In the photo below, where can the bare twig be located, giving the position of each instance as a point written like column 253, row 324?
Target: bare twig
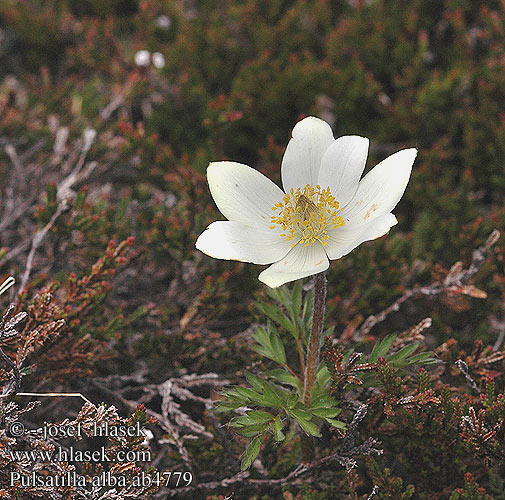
column 499, row 340
column 36, row 241
column 63, row 192
column 168, row 406
column 13, row 209
column 15, row 252
column 454, row 282
column 117, row 101
column 172, row 419
column 64, row 187
column 463, row 368
column 374, row 492
column 16, row 213
column 498, row 326
column 352, row 429
column 13, row 156
column 59, row 145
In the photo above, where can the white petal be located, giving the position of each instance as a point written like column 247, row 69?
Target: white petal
column 300, row 262
column 381, row 189
column 342, row 165
column 345, row 239
column 304, row 152
column 243, row 194
column 236, row 241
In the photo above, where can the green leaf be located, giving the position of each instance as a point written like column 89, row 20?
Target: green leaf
column 277, row 315
column 266, row 353
column 323, row 375
column 242, row 421
column 257, row 416
column 320, row 389
column 404, row 352
column 278, row 348
column 323, row 412
column 252, row 430
column 329, row 331
column 292, row 400
column 297, row 298
column 280, row 295
column 309, row 428
column 250, row 453
column 301, row 414
column 276, row 428
column 269, row 344
column 253, row 417
column 226, row 406
column 335, row 423
column 381, row 348
column 323, row 399
column 249, row 394
column 281, row 375
column 424, row 358
column 261, row 336
column 271, row 395
column 231, row 394
column 256, row 382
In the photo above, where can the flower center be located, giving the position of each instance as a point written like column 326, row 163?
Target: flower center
column 306, row 214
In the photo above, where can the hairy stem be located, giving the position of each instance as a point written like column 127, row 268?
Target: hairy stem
column 315, row 336
column 313, row 355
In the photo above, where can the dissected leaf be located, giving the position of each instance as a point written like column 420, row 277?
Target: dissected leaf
column 276, row 428
column 404, row 352
column 253, row 430
column 309, row 428
column 335, row 423
column 255, row 381
column 278, row 316
column 250, row 453
column 325, row 412
column 269, row 344
column 381, row 348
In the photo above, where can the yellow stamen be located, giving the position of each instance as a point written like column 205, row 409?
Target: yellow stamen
column 305, row 214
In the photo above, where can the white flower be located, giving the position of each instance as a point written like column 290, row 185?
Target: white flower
column 164, row 21
column 158, row 60
column 324, row 212
column 142, row 58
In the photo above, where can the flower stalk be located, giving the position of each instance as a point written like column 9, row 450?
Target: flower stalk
column 313, row 351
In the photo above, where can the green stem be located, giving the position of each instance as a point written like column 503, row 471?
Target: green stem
column 313, row 355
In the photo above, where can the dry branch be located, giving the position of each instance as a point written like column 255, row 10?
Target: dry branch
column 454, row 282
column 63, row 193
